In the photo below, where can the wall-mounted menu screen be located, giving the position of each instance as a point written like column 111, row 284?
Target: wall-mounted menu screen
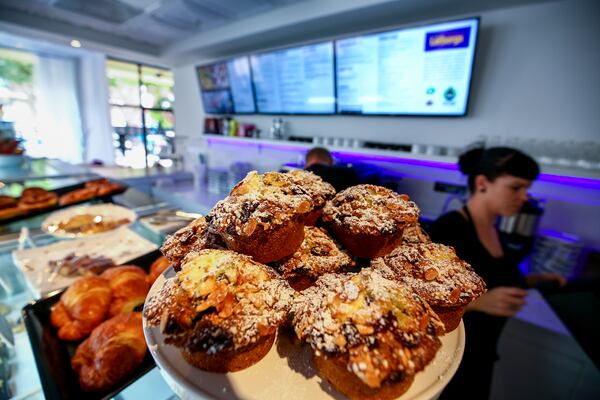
column 416, row 71
column 227, row 87
column 297, row 80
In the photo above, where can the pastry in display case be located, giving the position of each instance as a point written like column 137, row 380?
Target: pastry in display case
column 87, row 220
column 82, row 307
column 88, row 340
column 112, row 352
column 37, row 200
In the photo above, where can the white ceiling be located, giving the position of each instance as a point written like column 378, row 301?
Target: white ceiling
column 181, row 31
column 153, row 24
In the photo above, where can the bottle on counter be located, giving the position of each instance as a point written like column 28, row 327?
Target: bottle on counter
column 233, row 127
column 225, row 126
column 277, row 129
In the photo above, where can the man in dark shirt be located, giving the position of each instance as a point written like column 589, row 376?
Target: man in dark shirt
column 320, row 162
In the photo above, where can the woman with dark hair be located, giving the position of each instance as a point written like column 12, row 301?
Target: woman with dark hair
column 498, row 180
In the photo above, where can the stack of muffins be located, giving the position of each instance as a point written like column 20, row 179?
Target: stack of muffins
column 365, row 287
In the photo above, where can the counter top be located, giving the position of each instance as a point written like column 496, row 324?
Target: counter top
column 578, row 307
column 125, row 174
column 188, row 197
column 549, row 172
column 41, row 168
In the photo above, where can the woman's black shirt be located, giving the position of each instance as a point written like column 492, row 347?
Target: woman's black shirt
column 482, row 330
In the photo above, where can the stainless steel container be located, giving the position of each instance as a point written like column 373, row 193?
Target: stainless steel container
column 524, row 223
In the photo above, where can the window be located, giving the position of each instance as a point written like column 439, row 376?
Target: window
column 17, row 95
column 141, row 108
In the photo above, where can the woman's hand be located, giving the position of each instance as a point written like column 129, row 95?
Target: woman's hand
column 500, row 301
column 535, row 279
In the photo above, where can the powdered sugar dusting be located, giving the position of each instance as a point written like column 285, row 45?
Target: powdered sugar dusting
column 233, row 300
column 317, row 255
column 265, row 200
column 413, row 234
column 193, row 237
column 434, row 271
column 371, row 209
column 379, row 326
column 319, row 190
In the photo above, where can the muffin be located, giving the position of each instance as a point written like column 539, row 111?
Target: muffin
column 370, row 335
column 193, row 237
column 436, row 273
column 318, row 254
column 222, row 310
column 369, row 220
column 262, row 217
column 319, row 191
column 414, row 234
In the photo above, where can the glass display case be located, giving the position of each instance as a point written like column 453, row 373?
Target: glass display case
column 18, row 364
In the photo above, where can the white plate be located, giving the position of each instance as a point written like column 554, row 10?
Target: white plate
column 286, row 372
column 108, row 211
column 120, row 245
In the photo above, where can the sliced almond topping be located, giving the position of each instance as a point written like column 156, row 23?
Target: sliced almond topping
column 264, row 330
column 304, row 207
column 240, row 189
column 340, row 340
column 431, row 274
column 164, row 318
column 250, row 227
column 203, row 306
column 455, row 295
column 365, row 329
column 424, row 322
column 227, row 306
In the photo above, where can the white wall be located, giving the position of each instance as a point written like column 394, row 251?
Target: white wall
column 536, row 75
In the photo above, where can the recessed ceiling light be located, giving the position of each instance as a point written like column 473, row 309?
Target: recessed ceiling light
column 75, row 43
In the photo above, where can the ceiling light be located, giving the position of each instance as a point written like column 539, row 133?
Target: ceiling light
column 75, row 43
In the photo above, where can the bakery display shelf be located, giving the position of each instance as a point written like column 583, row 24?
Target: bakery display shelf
column 53, row 355
column 60, row 191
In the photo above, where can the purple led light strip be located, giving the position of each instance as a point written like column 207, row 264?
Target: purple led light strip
column 395, row 159
column 571, row 180
column 349, row 156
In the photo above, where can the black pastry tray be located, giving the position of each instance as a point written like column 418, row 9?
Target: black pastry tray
column 53, row 355
column 60, row 192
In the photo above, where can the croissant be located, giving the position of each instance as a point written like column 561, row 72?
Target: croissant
column 129, row 286
column 157, row 268
column 113, row 350
column 78, row 195
column 82, row 307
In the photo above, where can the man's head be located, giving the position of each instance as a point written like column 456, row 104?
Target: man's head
column 318, row 155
